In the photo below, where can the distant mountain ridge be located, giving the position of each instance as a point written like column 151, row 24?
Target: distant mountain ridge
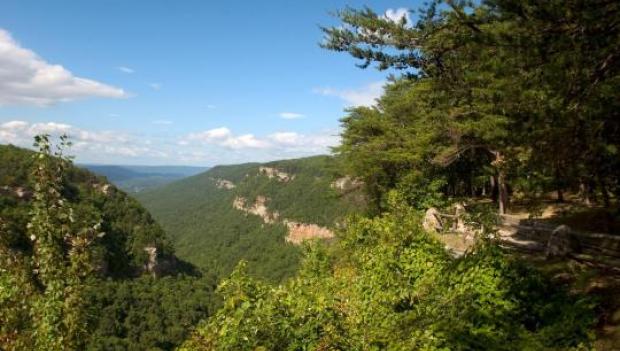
column 134, row 179
column 257, row 212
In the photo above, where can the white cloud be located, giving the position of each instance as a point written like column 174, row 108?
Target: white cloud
column 279, row 143
column 286, row 138
column 364, row 96
column 125, row 69
column 97, row 144
column 162, row 122
column 25, row 78
column 295, row 142
column 224, row 137
column 155, row 86
column 291, row 115
column 209, row 147
column 397, row 15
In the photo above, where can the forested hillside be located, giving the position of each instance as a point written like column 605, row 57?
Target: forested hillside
column 209, row 230
column 81, row 237
column 129, row 228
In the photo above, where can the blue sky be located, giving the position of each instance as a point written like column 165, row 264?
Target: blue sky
column 179, row 82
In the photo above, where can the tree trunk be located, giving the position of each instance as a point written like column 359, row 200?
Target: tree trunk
column 560, row 195
column 604, row 192
column 502, row 188
column 502, row 192
column 583, row 193
column 493, row 181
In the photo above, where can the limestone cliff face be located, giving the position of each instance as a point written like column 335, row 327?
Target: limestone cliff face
column 224, row 184
column 300, row 232
column 258, row 208
column 272, row 173
column 297, row 232
column 346, row 184
column 157, row 265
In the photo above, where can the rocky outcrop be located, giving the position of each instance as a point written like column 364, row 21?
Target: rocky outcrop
column 297, row 232
column 258, row 208
column 224, row 184
column 561, row 243
column 156, row 265
column 346, row 184
column 18, row 192
column 300, row 232
column 432, row 220
column 105, row 189
column 272, row 173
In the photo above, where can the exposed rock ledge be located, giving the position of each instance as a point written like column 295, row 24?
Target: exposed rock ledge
column 297, row 232
column 300, row 232
column 346, row 184
column 224, row 184
column 275, row 173
column 258, row 208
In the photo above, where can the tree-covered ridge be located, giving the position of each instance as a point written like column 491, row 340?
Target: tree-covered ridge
column 133, row 179
column 198, row 213
column 128, row 228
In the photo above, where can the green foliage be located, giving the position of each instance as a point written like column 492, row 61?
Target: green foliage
column 43, row 294
column 209, row 232
column 386, row 285
column 147, row 313
column 128, row 227
column 56, row 291
column 521, row 91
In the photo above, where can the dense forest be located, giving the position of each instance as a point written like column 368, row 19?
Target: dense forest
column 198, row 213
column 74, row 272
column 495, row 104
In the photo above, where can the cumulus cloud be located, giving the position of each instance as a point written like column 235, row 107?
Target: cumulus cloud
column 224, row 137
column 213, row 146
column 25, row 78
column 97, row 143
column 155, row 86
column 364, row 96
column 295, row 142
column 277, row 143
column 125, row 69
column 398, row 15
column 291, row 115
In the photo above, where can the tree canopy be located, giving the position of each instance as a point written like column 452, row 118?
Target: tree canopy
column 521, row 91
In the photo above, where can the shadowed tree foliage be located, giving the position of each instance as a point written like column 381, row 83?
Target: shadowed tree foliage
column 511, row 95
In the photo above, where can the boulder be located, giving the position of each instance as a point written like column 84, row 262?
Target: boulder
column 432, row 221
column 561, row 243
column 459, row 222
